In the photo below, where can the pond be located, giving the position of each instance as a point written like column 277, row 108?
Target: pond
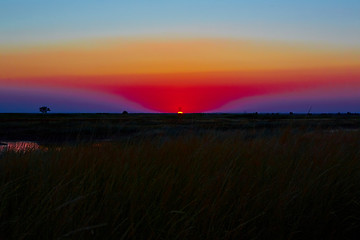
column 23, row 146
column 19, row 146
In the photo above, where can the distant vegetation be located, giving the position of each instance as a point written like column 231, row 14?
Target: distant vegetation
column 215, row 185
column 75, row 127
column 44, row 109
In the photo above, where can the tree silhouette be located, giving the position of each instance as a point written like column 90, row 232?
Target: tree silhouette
column 44, row 109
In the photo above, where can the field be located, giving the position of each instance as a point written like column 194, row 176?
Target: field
column 59, row 128
column 201, row 176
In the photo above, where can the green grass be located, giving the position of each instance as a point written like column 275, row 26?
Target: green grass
column 217, row 185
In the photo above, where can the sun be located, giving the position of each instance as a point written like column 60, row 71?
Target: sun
column 180, row 111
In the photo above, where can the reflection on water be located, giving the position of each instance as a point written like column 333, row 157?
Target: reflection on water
column 20, row 146
column 23, row 146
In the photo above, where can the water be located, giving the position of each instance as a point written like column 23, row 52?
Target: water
column 19, row 146
column 23, row 146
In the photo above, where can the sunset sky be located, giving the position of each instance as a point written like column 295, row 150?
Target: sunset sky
column 202, row 56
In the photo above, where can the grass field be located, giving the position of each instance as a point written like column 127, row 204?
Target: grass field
column 202, row 177
column 47, row 128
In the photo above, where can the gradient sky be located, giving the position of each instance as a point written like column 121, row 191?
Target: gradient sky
column 203, row 56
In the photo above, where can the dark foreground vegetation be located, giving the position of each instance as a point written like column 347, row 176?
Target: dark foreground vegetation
column 294, row 181
column 58, row 128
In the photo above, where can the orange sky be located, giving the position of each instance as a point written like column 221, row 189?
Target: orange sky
column 157, row 56
column 162, row 55
column 164, row 74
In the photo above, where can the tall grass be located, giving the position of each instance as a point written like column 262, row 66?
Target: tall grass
column 210, row 186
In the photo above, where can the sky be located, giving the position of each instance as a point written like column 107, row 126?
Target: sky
column 202, row 56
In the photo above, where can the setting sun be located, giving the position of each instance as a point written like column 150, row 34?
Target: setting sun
column 180, row 111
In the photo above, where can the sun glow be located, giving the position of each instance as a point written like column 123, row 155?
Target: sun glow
column 180, row 111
